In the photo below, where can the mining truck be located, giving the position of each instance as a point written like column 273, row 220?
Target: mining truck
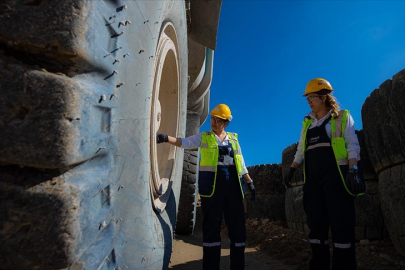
column 85, row 85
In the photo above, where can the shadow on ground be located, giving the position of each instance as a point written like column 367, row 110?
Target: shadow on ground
column 187, row 255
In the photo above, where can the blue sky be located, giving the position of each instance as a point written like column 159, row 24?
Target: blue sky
column 267, row 51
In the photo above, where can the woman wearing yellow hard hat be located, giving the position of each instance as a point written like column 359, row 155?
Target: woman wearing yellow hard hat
column 222, row 174
column 330, row 151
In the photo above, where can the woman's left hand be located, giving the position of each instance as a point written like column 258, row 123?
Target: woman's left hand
column 354, row 183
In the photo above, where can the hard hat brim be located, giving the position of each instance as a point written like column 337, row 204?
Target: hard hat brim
column 327, row 91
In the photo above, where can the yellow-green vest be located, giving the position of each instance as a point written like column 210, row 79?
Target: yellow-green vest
column 338, row 143
column 209, row 161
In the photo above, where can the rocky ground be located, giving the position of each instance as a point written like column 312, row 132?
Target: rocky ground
column 292, row 248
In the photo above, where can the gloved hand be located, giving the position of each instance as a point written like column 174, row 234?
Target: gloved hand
column 288, row 176
column 354, row 183
column 161, row 138
column 252, row 190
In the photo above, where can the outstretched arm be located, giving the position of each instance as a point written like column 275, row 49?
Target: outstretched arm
column 190, row 142
column 175, row 141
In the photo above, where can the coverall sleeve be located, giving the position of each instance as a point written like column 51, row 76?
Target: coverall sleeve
column 351, row 140
column 191, row 142
column 299, row 155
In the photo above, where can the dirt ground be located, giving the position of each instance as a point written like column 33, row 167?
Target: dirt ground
column 292, row 248
column 271, row 245
column 187, row 254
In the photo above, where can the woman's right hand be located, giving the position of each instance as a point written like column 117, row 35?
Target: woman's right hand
column 161, row 138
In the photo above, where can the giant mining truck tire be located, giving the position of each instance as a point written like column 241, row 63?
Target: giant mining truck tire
column 85, row 86
column 189, row 193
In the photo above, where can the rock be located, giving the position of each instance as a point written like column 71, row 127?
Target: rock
column 387, row 259
column 364, row 242
column 384, row 263
column 384, row 256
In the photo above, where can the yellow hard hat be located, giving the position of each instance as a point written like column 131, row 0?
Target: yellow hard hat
column 222, row 111
column 316, row 85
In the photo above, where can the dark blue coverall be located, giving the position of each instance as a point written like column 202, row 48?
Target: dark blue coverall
column 227, row 199
column 326, row 202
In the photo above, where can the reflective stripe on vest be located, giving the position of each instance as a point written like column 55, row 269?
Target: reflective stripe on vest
column 318, row 145
column 209, row 158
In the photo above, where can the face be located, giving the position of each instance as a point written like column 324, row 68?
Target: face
column 316, row 102
column 218, row 124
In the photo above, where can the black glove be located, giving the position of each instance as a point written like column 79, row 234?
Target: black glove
column 354, row 183
column 288, row 176
column 161, row 138
column 252, row 190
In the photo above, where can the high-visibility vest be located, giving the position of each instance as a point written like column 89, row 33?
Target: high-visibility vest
column 338, row 143
column 209, row 161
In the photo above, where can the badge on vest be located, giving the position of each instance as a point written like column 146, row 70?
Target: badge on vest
column 314, row 139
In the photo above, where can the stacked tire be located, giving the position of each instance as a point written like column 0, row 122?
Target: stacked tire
column 383, row 126
column 270, row 193
column 294, row 207
column 369, row 218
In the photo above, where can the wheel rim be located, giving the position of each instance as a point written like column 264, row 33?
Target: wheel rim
column 165, row 116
